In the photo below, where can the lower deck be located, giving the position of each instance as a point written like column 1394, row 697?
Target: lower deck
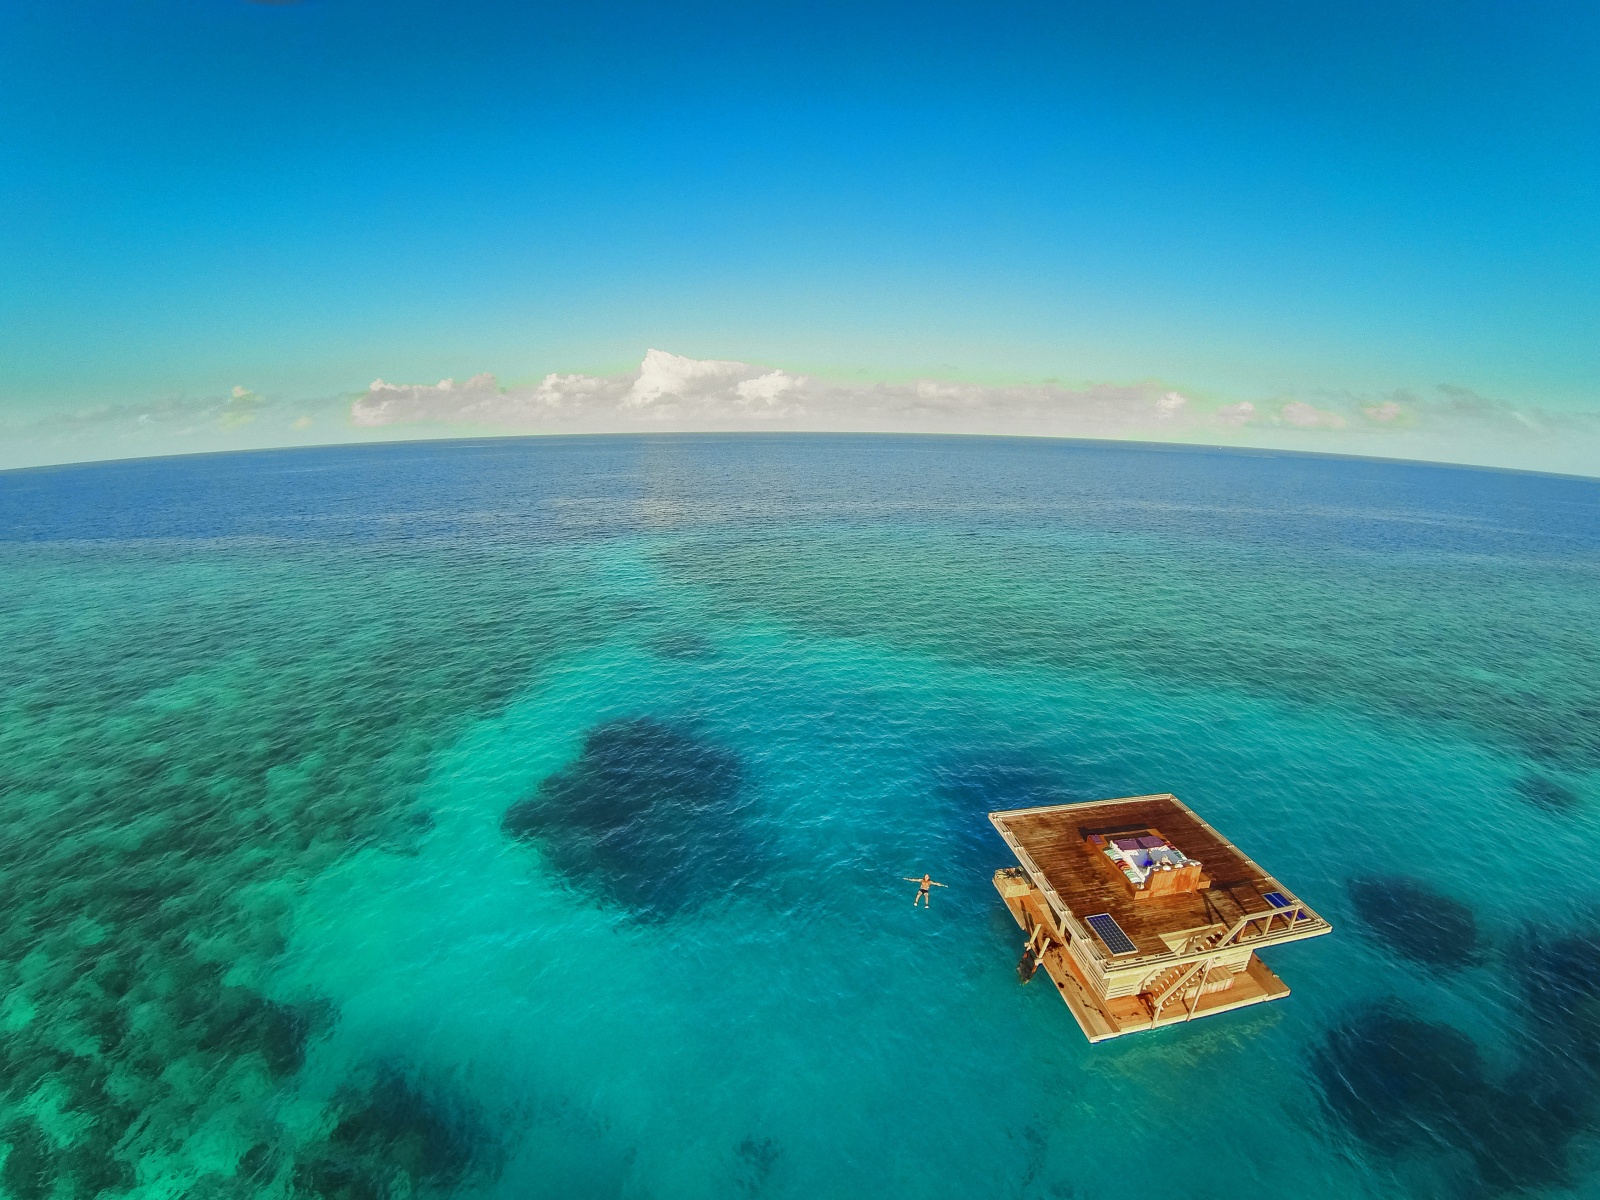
column 1101, row 1018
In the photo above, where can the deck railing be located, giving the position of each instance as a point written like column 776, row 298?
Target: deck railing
column 1063, row 914
column 1299, row 918
column 1292, row 914
column 1296, row 914
column 1159, row 1000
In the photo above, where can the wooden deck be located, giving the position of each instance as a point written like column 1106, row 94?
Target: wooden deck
column 1054, row 839
column 1102, row 1019
column 1194, row 952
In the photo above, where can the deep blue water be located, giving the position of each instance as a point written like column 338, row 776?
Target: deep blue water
column 528, row 817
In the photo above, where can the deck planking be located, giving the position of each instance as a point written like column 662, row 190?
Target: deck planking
column 1183, row 943
column 1054, row 839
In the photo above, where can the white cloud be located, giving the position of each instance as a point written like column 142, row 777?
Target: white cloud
column 240, row 408
column 667, row 378
column 231, row 419
column 1308, row 416
column 567, row 393
column 666, row 390
column 447, row 400
column 764, row 394
column 1241, row 413
column 672, row 391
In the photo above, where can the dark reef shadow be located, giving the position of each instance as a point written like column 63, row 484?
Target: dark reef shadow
column 650, row 817
column 397, row 1136
column 1562, row 739
column 220, row 1024
column 1548, row 794
column 1397, row 1081
column 1557, row 1080
column 1400, row 1083
column 1409, row 919
column 240, row 1021
column 755, row 1159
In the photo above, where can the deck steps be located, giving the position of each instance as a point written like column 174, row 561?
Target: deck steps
column 1193, row 946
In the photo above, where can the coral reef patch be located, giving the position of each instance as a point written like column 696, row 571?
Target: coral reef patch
column 395, row 1138
column 1396, row 1081
column 174, row 761
column 1399, row 1082
column 1409, row 918
column 755, row 1159
column 648, row 817
column 1541, row 791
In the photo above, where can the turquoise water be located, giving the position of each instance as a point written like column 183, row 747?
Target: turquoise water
column 529, row 818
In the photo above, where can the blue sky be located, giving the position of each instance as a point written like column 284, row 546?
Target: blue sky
column 1340, row 206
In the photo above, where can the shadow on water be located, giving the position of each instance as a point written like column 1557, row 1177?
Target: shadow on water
column 648, row 817
column 1398, row 1082
column 1549, row 794
column 1408, row 918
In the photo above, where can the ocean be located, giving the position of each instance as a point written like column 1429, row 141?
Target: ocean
column 529, row 818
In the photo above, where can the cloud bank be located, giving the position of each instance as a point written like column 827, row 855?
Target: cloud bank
column 671, row 392
column 240, row 419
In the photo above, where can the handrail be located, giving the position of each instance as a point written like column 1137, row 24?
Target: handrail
column 1200, row 988
column 1303, row 914
column 1292, row 913
column 1063, row 914
column 1174, row 958
column 1159, row 1000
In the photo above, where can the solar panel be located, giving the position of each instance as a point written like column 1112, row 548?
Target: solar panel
column 1109, row 932
column 1279, row 900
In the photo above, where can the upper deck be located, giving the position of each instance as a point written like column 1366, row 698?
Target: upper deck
column 1052, row 844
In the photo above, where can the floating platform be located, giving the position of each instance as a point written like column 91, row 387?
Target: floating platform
column 1141, row 914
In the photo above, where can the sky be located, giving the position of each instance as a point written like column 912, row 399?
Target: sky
column 1355, row 227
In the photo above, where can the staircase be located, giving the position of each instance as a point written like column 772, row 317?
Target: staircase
column 1175, row 978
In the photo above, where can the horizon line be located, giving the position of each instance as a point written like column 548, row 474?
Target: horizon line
column 1123, row 443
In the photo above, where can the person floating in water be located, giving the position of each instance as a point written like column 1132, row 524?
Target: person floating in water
column 923, row 884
